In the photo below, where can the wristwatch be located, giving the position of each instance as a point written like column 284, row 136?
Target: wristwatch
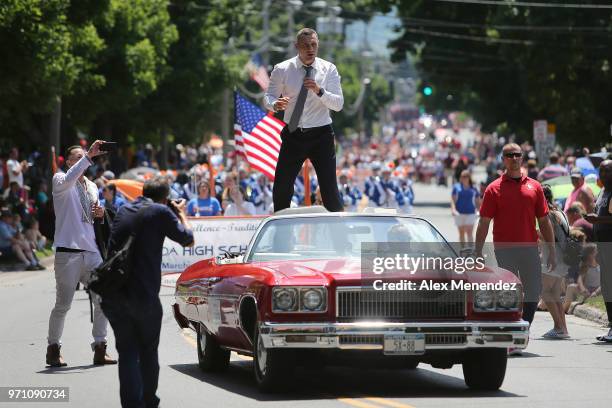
column 321, row 92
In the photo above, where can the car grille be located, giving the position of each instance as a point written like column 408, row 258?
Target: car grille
column 356, row 304
column 431, row 339
column 445, row 339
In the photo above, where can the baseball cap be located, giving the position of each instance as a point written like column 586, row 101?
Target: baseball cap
column 576, row 173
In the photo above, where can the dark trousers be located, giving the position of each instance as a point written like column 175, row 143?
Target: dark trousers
column 316, row 144
column 137, row 325
column 604, row 255
column 525, row 263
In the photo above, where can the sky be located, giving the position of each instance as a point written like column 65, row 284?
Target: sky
column 379, row 32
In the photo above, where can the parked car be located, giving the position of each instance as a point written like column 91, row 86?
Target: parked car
column 298, row 296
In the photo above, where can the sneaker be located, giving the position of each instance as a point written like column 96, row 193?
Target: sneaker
column 31, row 268
column 606, row 337
column 512, row 351
column 40, row 267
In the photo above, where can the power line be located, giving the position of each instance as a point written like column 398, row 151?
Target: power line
column 529, row 4
column 469, row 37
column 444, row 23
column 491, row 40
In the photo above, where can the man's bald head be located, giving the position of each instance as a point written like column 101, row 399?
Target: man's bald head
column 605, row 173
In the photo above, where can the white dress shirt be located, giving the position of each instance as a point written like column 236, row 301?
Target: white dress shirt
column 287, row 79
column 70, row 229
column 13, row 166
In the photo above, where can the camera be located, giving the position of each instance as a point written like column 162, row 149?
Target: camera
column 176, row 201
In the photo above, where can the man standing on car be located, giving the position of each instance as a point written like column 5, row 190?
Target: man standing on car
column 136, row 313
column 514, row 201
column 76, row 206
column 306, row 88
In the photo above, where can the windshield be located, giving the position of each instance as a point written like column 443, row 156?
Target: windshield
column 342, row 237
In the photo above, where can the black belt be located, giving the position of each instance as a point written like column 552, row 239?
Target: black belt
column 64, row 249
column 312, row 129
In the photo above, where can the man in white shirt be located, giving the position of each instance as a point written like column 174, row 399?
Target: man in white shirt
column 306, row 88
column 76, row 205
column 15, row 168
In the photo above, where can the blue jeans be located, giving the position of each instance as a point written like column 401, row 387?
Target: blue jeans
column 525, row 263
column 137, row 326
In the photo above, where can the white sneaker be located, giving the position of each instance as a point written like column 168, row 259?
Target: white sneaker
column 513, row 351
column 606, row 337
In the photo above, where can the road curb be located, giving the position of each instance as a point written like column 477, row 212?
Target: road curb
column 591, row 313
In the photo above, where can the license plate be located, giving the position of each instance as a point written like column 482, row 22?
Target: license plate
column 404, row 344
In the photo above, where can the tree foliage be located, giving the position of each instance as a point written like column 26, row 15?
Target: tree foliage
column 511, row 65
column 144, row 68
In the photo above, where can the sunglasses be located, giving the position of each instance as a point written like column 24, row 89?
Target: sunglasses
column 513, row 155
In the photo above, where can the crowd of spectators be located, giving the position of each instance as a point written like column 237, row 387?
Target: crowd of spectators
column 23, row 202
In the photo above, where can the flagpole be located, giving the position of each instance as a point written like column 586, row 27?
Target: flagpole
column 211, row 181
column 306, row 183
column 53, row 161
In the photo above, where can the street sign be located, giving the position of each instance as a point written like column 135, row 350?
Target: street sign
column 544, row 137
column 540, row 129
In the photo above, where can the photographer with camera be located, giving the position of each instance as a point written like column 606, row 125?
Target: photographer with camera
column 135, row 312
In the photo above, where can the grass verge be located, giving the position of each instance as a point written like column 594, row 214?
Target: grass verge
column 596, row 302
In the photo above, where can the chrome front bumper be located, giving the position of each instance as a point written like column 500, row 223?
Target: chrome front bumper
column 370, row 335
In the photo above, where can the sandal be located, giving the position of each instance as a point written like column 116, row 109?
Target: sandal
column 553, row 334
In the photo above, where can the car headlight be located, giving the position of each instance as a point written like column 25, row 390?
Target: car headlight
column 483, row 299
column 312, row 299
column 284, row 300
column 299, row 299
column 496, row 300
column 507, row 299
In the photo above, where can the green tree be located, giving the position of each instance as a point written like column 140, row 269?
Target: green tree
column 512, row 65
column 202, row 65
column 47, row 48
column 138, row 35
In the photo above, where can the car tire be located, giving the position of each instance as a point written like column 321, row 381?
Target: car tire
column 211, row 357
column 272, row 367
column 485, row 369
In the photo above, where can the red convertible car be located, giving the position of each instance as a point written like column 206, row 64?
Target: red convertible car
column 299, row 295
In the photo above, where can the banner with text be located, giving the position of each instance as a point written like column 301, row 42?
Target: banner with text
column 213, row 236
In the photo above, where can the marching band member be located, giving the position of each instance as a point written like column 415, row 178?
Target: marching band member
column 349, row 193
column 261, row 195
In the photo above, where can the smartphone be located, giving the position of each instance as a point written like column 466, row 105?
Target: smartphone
column 108, row 146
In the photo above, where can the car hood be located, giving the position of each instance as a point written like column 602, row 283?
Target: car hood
column 347, row 272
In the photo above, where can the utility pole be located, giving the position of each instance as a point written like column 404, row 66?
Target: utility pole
column 265, row 13
column 55, row 123
column 290, row 30
column 225, row 128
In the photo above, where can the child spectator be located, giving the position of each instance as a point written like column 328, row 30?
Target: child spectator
column 12, row 242
column 33, row 235
column 588, row 284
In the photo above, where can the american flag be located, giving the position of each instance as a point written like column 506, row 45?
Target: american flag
column 257, row 135
column 258, row 72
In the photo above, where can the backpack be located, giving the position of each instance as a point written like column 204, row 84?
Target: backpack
column 569, row 246
column 112, row 275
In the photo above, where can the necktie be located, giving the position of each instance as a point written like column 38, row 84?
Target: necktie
column 299, row 105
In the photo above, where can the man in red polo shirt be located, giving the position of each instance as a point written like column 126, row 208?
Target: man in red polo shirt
column 514, row 201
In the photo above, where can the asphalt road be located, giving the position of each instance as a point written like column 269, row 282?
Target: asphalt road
column 562, row 373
